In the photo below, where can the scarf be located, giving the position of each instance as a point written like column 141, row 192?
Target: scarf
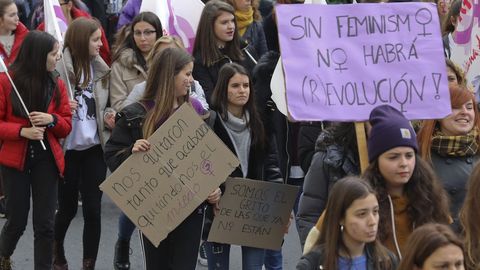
column 455, row 146
column 244, row 19
column 239, row 133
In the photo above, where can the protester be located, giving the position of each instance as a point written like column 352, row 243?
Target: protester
column 449, row 26
column 455, row 74
column 239, row 126
column 216, row 43
column 336, row 156
column 71, row 12
column 162, row 43
column 433, row 246
column 126, row 227
column 129, row 60
column 452, row 146
column 168, row 82
column 12, row 31
column 27, row 168
column 408, row 191
column 85, row 168
column 469, row 221
column 348, row 239
column 249, row 24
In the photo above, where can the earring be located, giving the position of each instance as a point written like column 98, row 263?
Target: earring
column 341, row 228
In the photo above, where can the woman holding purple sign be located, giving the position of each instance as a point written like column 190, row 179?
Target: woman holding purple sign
column 239, row 126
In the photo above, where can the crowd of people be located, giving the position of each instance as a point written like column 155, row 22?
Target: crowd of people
column 89, row 103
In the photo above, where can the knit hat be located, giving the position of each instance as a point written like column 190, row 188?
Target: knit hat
column 390, row 129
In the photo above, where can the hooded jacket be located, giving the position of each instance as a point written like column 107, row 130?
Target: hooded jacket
column 20, row 34
column 100, row 88
column 126, row 73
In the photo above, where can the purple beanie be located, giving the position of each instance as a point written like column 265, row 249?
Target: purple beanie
column 390, row 129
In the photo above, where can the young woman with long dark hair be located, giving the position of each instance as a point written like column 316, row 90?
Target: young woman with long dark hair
column 29, row 171
column 239, row 126
column 348, row 238
column 129, row 65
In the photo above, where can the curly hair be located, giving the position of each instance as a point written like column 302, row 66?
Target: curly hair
column 427, row 200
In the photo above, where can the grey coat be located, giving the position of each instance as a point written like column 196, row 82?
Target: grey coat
column 454, row 173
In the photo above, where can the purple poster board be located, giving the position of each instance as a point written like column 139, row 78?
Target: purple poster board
column 341, row 61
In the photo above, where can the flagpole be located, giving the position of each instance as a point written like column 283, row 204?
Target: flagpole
column 68, row 79
column 20, row 98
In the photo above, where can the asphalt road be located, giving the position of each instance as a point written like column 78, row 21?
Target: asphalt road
column 23, row 256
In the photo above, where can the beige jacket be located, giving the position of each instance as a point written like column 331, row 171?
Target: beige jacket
column 101, row 80
column 126, row 73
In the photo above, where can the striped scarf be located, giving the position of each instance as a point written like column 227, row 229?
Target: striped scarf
column 455, row 146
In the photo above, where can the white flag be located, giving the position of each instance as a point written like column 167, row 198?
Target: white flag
column 179, row 17
column 55, row 22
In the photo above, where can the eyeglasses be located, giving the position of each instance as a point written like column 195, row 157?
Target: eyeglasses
column 146, row 33
column 64, row 3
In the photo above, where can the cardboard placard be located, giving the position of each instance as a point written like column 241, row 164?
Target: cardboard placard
column 253, row 213
column 159, row 188
column 341, row 61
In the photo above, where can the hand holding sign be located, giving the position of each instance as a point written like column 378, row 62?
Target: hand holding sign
column 160, row 185
column 253, row 213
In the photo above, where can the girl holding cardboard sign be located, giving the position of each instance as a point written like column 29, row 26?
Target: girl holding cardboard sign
column 239, row 126
column 348, row 238
column 168, row 85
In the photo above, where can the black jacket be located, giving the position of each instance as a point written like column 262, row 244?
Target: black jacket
column 314, row 260
column 330, row 163
column 255, row 36
column 262, row 166
column 208, row 76
column 128, row 129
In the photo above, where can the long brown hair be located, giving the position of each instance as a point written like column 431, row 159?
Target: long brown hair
column 424, row 241
column 205, row 40
column 220, row 102
column 469, row 220
column 343, row 194
column 459, row 95
column 77, row 40
column 427, row 200
column 160, row 86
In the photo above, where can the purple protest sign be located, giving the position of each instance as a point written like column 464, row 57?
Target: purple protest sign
column 341, row 61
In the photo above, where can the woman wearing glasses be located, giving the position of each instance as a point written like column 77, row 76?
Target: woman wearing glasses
column 129, row 64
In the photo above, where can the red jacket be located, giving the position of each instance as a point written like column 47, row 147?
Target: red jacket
column 20, row 34
column 104, row 50
column 14, row 148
